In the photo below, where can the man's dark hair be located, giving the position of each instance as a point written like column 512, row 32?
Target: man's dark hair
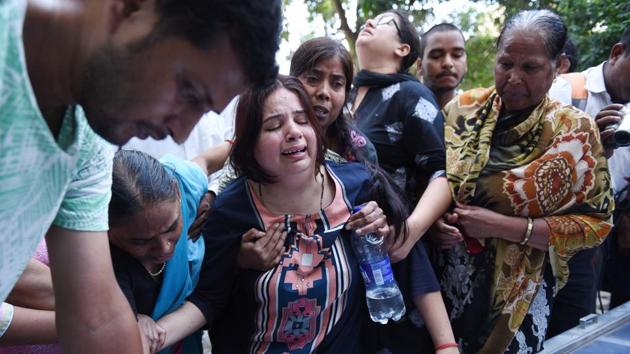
column 253, row 27
column 441, row 27
column 138, row 181
column 248, row 125
column 570, row 51
column 408, row 35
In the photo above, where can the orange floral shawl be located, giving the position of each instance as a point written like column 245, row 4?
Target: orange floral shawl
column 550, row 165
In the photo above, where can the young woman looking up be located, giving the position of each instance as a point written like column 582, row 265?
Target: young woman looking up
column 401, row 118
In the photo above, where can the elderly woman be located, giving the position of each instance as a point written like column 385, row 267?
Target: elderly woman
column 531, row 185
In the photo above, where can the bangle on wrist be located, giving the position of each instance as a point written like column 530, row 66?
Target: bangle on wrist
column 446, row 345
column 528, row 232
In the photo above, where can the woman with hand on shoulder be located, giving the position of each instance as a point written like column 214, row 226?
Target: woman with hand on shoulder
column 324, row 66
column 532, row 189
column 312, row 299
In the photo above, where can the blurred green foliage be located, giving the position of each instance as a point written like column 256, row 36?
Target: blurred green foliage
column 594, row 25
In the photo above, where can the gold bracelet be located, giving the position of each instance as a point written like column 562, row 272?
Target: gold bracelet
column 528, row 233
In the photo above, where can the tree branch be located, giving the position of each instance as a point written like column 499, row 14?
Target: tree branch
column 351, row 36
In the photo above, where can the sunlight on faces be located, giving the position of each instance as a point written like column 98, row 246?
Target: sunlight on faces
column 326, row 86
column 159, row 89
column 150, row 236
column 444, row 62
column 523, row 70
column 287, row 144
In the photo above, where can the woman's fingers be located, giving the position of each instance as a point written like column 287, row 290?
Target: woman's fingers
column 161, row 336
column 372, row 226
column 251, row 235
column 270, row 240
column 369, row 212
column 384, row 231
column 277, row 248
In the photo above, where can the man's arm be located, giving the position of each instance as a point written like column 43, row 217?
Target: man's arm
column 34, row 289
column 91, row 309
column 30, row 326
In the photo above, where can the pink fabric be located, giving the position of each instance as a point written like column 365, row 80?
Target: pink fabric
column 41, row 254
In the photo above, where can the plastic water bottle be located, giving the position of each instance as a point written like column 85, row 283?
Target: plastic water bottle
column 384, row 299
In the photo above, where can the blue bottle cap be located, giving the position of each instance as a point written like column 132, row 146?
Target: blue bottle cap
column 356, row 209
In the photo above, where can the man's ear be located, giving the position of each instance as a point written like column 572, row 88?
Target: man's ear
column 616, row 52
column 120, row 10
column 402, row 50
column 419, row 69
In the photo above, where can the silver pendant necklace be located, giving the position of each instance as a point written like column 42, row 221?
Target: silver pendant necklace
column 158, row 272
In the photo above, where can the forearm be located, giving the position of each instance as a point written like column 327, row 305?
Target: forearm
column 434, row 202
column 34, row 289
column 213, row 159
column 514, row 228
column 110, row 328
column 30, row 326
column 181, row 323
column 90, row 307
column 431, row 307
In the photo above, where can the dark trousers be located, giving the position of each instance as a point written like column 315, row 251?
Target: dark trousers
column 578, row 298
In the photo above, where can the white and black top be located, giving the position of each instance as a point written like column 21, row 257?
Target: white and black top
column 401, row 118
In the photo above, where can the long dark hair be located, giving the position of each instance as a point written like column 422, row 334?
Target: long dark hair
column 389, row 197
column 306, row 57
column 248, row 123
column 138, row 181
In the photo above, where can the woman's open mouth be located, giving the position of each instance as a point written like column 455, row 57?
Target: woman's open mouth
column 294, row 151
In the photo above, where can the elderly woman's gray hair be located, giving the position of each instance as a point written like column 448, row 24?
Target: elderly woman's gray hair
column 544, row 22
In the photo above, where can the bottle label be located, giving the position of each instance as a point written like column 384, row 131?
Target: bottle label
column 377, row 273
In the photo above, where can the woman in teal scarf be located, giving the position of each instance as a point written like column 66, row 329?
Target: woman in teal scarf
column 156, row 264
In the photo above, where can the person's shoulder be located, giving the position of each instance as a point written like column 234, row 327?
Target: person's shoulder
column 234, row 195
column 419, row 101
column 232, row 213
column 92, row 148
column 186, row 170
column 466, row 103
column 416, row 89
column 567, row 116
column 473, row 97
column 12, row 14
column 179, row 164
column 349, row 171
